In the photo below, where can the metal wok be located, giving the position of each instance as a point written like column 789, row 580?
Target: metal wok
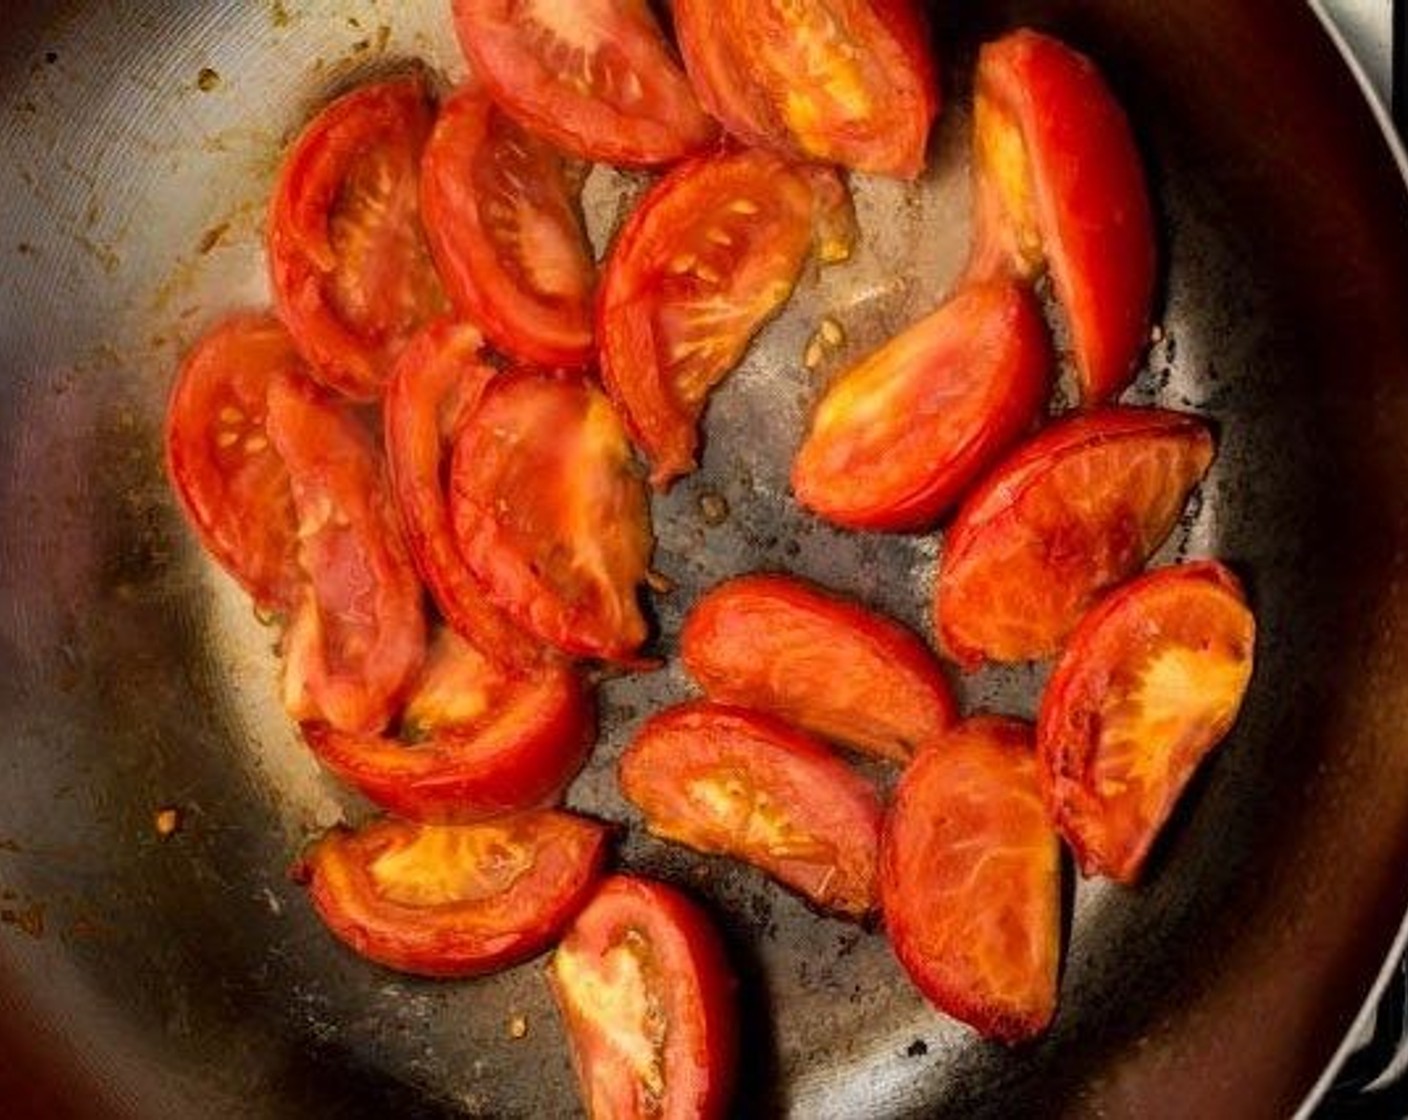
column 149, row 977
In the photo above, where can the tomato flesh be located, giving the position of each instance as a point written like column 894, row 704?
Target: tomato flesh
column 776, row 644
column 476, row 740
column 646, row 993
column 1060, row 183
column 356, row 637
column 970, row 879
column 550, row 515
column 1070, row 513
column 594, row 77
column 232, row 484
column 1151, row 682
column 503, row 223
column 840, row 81
column 351, row 272
column 709, row 255
column 437, row 382
column 900, row 436
column 454, row 900
column 745, row 784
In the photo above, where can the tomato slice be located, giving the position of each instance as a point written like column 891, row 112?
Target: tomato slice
column 899, row 437
column 550, row 515
column 779, row 645
column 502, row 219
column 745, row 784
column 357, row 634
column 476, row 741
column 1059, row 182
column 709, row 255
column 970, row 879
column 351, row 272
column 1151, row 682
column 1070, row 513
column 595, row 77
column 232, row 484
column 438, row 380
column 843, row 81
column 454, row 900
column 646, row 993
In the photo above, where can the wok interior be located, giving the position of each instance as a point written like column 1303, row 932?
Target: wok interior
column 152, row 976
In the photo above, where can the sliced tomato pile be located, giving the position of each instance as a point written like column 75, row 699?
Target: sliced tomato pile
column 428, row 467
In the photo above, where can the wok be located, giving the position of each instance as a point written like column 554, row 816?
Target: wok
column 143, row 976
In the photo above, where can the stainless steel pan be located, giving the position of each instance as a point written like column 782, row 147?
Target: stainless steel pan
column 151, row 977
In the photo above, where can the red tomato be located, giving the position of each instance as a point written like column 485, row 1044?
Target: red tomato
column 708, row 256
column 550, row 515
column 595, row 77
column 503, row 222
column 777, row 644
column 899, row 437
column 645, row 990
column 350, row 268
column 357, row 634
column 454, row 900
column 1059, row 182
column 437, row 382
column 232, row 484
column 842, row 81
column 1151, row 682
column 1069, row 514
column 477, row 741
column 745, row 784
column 970, row 880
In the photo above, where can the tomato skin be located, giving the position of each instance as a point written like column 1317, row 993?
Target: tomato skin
column 811, row 822
column 681, row 970
column 488, row 189
column 350, row 270
column 1044, row 114
column 970, row 879
column 388, row 890
column 899, row 437
column 781, row 80
column 714, row 248
column 779, row 645
column 357, row 633
column 1180, row 640
column 232, row 485
column 549, row 514
column 515, row 745
column 638, row 109
column 439, row 380
column 1067, row 515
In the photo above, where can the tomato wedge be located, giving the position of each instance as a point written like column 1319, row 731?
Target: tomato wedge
column 550, row 515
column 1151, row 682
column 970, row 878
column 1070, row 513
column 1060, row 183
column 595, row 77
column 231, row 483
column 438, row 380
column 357, row 633
column 350, row 268
column 646, row 993
column 709, row 255
column 503, row 222
column 454, row 900
column 842, row 81
column 477, row 741
column 745, row 784
column 776, row 644
column 900, row 436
